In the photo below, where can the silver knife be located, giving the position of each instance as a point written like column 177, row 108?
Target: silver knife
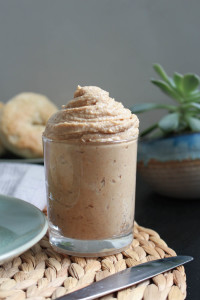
column 127, row 278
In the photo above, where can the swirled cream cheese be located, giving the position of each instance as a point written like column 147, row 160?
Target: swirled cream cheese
column 92, row 116
column 91, row 186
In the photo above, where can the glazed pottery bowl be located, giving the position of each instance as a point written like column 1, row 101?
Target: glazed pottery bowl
column 171, row 166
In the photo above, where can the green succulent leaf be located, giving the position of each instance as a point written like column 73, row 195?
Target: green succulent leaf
column 139, row 108
column 169, row 122
column 190, row 83
column 195, row 96
column 184, row 115
column 157, row 134
column 149, row 129
column 160, row 71
column 194, row 123
column 166, row 89
column 178, row 81
column 195, row 105
column 183, row 125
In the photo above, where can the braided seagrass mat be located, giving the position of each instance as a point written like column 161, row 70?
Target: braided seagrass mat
column 41, row 273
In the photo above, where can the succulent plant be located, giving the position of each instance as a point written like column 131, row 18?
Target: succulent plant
column 184, row 115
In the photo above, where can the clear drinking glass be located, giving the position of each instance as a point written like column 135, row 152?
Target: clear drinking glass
column 90, row 195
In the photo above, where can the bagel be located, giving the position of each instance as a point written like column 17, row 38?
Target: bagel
column 22, row 122
column 2, row 148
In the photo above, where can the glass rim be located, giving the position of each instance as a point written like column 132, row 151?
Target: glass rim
column 79, row 142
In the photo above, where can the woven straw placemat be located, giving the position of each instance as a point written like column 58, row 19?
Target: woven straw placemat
column 41, row 273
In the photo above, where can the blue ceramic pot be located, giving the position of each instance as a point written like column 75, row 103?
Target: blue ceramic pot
column 171, row 165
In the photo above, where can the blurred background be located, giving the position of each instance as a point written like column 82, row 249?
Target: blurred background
column 50, row 47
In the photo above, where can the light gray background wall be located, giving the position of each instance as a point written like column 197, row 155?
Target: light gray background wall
column 50, row 46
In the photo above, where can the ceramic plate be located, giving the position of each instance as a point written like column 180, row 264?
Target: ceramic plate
column 21, row 226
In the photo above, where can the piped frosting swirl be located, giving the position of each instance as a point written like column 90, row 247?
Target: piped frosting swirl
column 92, row 116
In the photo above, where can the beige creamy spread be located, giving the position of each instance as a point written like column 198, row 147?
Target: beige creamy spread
column 92, row 116
column 91, row 182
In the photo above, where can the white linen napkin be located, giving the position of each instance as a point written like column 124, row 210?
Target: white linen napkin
column 23, row 181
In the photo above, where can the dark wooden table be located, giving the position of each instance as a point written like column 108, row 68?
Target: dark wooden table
column 178, row 223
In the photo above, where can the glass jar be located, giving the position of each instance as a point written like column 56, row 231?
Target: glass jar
column 90, row 195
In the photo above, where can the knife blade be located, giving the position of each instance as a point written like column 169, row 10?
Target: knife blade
column 127, row 278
